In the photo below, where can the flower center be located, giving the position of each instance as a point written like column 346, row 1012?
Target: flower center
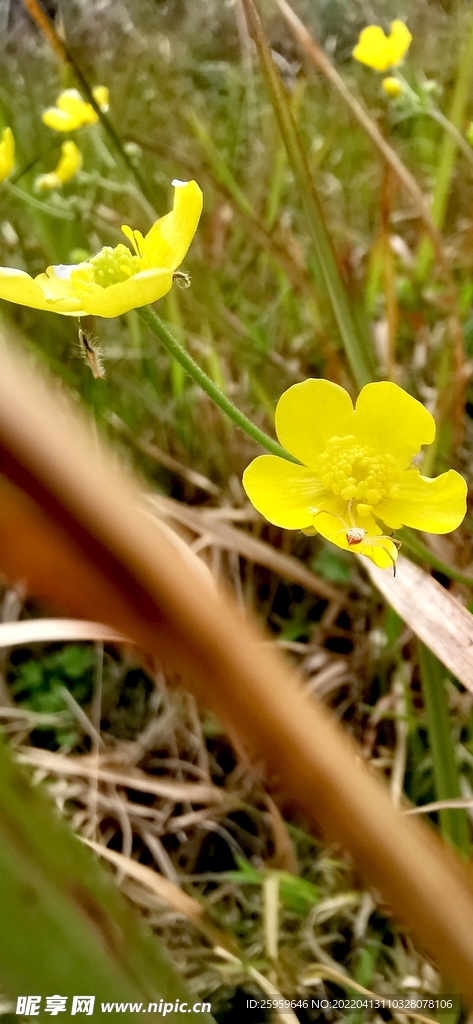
column 109, row 266
column 357, row 473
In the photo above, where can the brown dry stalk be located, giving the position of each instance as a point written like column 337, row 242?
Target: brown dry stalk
column 166, row 891
column 434, row 615
column 71, row 528
column 41, row 19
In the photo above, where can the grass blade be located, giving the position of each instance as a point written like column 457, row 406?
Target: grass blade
column 360, row 360
column 453, row 821
column 448, row 150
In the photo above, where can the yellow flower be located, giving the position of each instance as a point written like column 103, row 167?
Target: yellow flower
column 70, row 162
column 115, row 280
column 7, row 153
column 382, row 52
column 391, row 86
column 356, row 469
column 71, row 111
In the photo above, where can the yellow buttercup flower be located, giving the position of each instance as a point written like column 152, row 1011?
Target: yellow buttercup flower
column 7, row 153
column 379, row 51
column 115, row 280
column 392, row 86
column 356, row 469
column 70, row 162
column 71, row 111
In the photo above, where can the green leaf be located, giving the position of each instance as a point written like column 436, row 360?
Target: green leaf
column 64, row 927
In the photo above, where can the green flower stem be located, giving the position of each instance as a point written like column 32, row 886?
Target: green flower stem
column 38, row 204
column 453, row 821
column 411, row 541
column 420, row 110
column 175, row 349
column 448, row 151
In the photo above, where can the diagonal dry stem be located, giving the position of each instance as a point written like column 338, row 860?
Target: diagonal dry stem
column 62, row 51
column 317, row 56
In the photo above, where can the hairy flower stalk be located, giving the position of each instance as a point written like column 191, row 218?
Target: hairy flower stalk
column 356, row 470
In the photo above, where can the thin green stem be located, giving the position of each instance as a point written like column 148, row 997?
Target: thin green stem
column 416, row 547
column 175, row 349
column 420, row 109
column 37, row 204
column 453, row 821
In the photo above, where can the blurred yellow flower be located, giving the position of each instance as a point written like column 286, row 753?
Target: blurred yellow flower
column 356, row 469
column 71, row 111
column 70, row 162
column 392, row 86
column 7, row 153
column 115, row 280
column 379, row 51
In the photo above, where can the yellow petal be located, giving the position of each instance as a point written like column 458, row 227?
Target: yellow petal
column 383, row 552
column 16, row 286
column 60, row 120
column 71, row 101
column 70, row 162
column 435, row 506
column 333, row 524
column 7, row 153
column 167, row 242
column 379, row 548
column 282, row 492
column 309, row 414
column 139, row 290
column 392, row 422
column 71, row 111
column 373, row 49
column 100, row 94
column 399, row 41
column 56, row 285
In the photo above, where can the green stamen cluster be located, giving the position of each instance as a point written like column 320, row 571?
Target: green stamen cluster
column 109, row 266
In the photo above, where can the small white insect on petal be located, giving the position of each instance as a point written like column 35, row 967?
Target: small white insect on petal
column 355, row 535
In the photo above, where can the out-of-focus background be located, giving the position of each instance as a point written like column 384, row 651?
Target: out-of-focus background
column 187, row 100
